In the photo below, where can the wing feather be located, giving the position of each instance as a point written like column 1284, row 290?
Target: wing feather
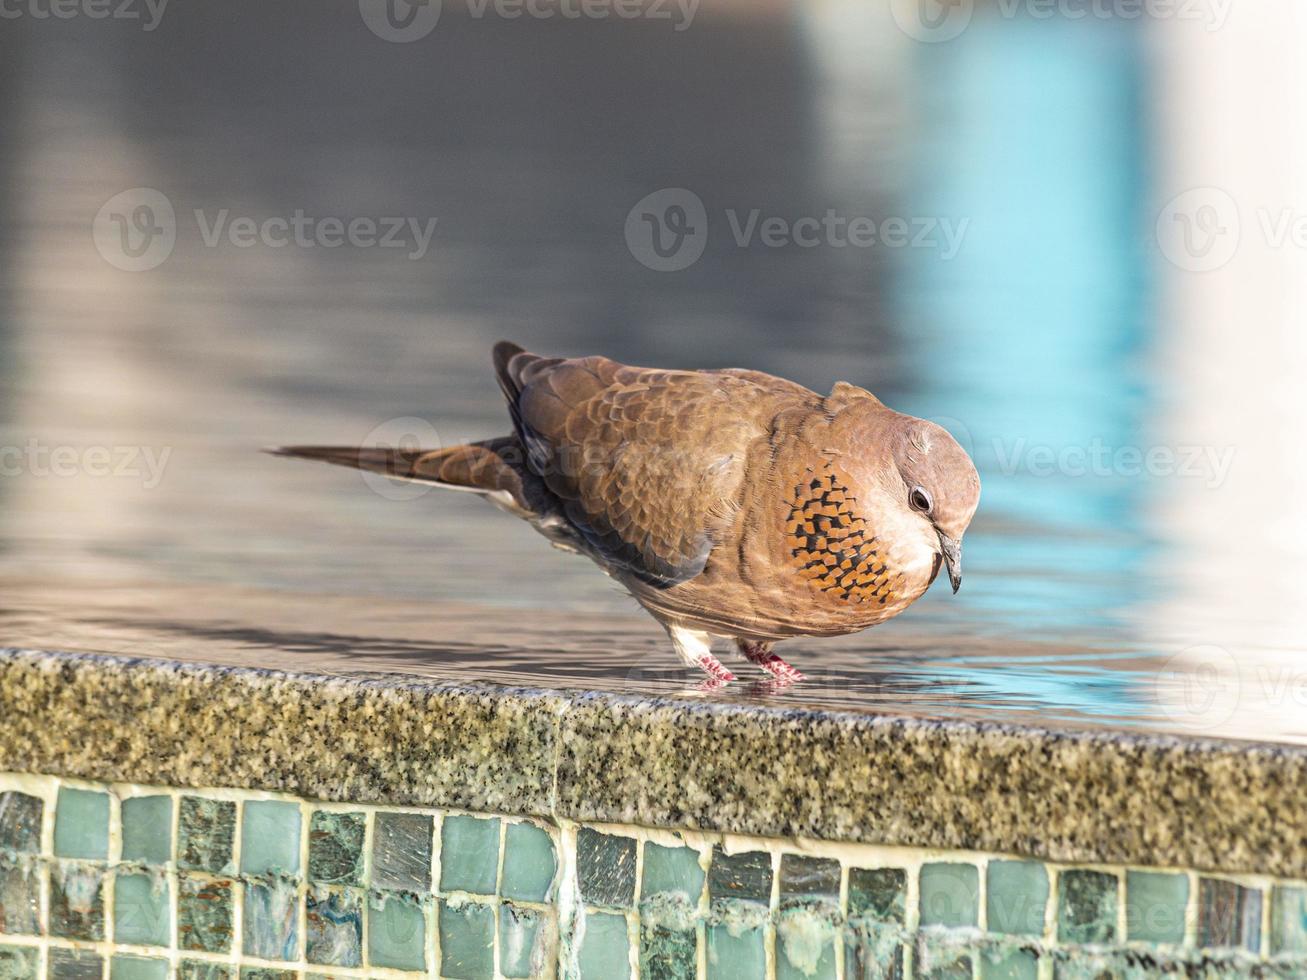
column 647, row 465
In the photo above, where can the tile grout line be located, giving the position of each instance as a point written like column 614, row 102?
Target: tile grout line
column 633, row 924
column 434, row 943
column 841, row 966
column 302, row 912
column 497, row 951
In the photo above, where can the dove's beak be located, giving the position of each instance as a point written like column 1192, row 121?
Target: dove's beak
column 952, row 552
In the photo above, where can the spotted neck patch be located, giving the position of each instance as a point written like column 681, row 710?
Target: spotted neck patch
column 830, row 545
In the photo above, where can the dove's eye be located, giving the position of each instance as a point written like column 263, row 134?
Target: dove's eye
column 920, row 500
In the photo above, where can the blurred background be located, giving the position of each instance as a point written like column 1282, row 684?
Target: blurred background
column 1071, row 232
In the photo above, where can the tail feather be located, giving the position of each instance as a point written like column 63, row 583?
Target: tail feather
column 490, row 467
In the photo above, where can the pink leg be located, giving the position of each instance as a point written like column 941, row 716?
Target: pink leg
column 695, row 649
column 715, row 669
column 761, row 654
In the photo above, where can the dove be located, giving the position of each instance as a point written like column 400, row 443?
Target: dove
column 729, row 503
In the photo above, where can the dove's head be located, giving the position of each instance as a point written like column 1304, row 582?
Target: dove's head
column 939, row 485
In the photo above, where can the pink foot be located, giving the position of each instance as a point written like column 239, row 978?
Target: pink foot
column 714, row 669
column 761, row 654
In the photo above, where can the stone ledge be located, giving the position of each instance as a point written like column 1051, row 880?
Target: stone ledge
column 1088, row 797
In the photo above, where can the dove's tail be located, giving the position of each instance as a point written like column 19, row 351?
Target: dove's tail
column 495, row 467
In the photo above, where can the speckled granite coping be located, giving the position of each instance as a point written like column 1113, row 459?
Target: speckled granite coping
column 1072, row 797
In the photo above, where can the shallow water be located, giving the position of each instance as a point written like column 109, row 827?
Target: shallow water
column 1120, row 572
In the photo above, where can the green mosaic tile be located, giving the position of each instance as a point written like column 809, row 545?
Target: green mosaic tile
column 1154, row 906
column 81, row 824
column 206, row 832
column 1087, row 907
column 878, row 893
column 334, row 928
column 271, row 920
column 77, row 901
column 806, row 937
column 672, row 871
column 939, row 961
column 336, row 848
column 667, row 954
column 736, row 954
column 204, row 914
column 20, row 822
column 401, row 852
column 469, row 855
column 397, row 933
column 670, row 893
column 467, row 935
column 71, row 964
column 199, row 970
column 19, row 963
column 270, row 838
column 137, row 968
column 1229, row 915
column 1289, row 919
column 605, row 867
column 873, row 949
column 142, row 910
column 147, row 829
column 20, row 897
column 1017, row 964
column 530, row 864
column 263, row 973
column 605, row 948
column 809, row 877
column 525, row 942
column 1016, row 897
column 950, row 895
column 744, row 876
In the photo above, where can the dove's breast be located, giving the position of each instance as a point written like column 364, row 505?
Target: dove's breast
column 811, row 558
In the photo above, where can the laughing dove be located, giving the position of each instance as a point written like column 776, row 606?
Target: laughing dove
column 729, row 503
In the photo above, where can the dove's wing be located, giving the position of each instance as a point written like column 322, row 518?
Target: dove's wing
column 646, row 465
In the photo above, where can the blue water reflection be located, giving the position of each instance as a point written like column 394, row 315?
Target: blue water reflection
column 1032, row 338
